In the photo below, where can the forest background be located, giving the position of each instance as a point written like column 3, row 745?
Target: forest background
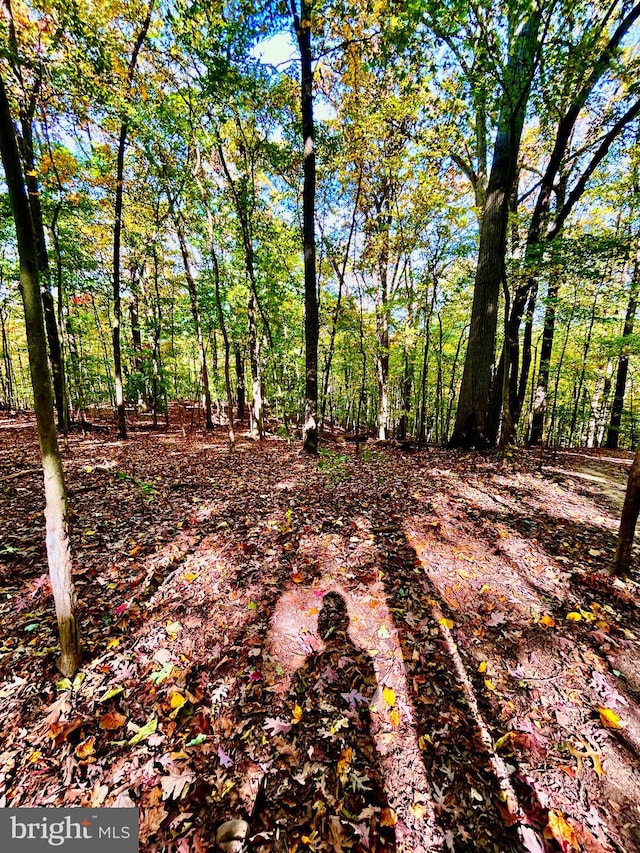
column 473, row 178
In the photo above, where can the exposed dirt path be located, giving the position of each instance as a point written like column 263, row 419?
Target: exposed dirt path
column 478, row 689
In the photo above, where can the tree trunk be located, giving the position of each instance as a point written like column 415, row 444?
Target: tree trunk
column 628, row 519
column 472, row 417
column 540, row 396
column 117, row 234
column 613, row 433
column 302, row 25
column 51, row 326
column 225, row 336
column 195, row 312
column 57, row 532
column 240, row 391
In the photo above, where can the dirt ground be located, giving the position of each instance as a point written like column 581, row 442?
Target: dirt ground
column 416, row 651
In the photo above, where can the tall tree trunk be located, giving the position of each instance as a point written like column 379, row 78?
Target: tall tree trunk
column 257, row 420
column 51, row 326
column 225, row 336
column 540, row 396
column 302, row 25
column 471, row 426
column 117, row 301
column 57, row 535
column 117, row 234
column 613, row 433
column 240, row 390
column 197, row 321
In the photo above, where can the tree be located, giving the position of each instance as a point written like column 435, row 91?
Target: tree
column 472, row 418
column 628, row 519
column 302, row 24
column 57, row 536
column 117, row 229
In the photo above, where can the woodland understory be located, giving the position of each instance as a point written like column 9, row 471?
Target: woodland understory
column 501, row 658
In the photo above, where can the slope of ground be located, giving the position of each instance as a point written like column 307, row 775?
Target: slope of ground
column 381, row 651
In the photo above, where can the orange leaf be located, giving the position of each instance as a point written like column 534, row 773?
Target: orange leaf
column 388, row 817
column 85, row 748
column 112, row 720
column 548, row 621
column 296, row 577
column 564, row 833
column 344, row 762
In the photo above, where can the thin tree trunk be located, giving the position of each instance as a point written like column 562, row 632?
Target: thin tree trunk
column 57, row 535
column 117, row 234
column 195, row 312
column 302, row 26
column 240, row 390
column 225, row 336
column 540, row 396
column 613, row 433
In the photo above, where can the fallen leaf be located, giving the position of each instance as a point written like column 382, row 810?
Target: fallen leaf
column 85, row 748
column 112, row 720
column 142, row 734
column 574, row 616
column 548, row 621
column 609, row 718
column 558, row 829
column 388, row 817
column 448, row 623
column 389, row 696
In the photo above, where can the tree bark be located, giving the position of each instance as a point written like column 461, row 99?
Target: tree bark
column 472, row 417
column 117, row 234
column 628, row 519
column 540, row 396
column 613, row 433
column 302, row 25
column 57, row 532
column 195, row 311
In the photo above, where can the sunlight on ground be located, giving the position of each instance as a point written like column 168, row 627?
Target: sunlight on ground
column 293, row 636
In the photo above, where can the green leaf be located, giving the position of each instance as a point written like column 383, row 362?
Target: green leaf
column 143, row 733
column 111, row 692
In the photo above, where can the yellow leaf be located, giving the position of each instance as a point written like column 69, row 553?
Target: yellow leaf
column 114, row 643
column 190, row 576
column 394, row 716
column 558, row 828
column 423, row 740
column 488, row 683
column 482, row 666
column 297, row 713
column 548, row 621
column 389, row 696
column 609, row 718
column 35, row 756
column 448, row 623
column 574, row 617
column 178, row 700
column 418, row 810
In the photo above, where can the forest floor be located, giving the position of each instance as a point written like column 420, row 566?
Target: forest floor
column 374, row 651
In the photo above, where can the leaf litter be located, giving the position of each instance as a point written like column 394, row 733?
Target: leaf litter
column 389, row 659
